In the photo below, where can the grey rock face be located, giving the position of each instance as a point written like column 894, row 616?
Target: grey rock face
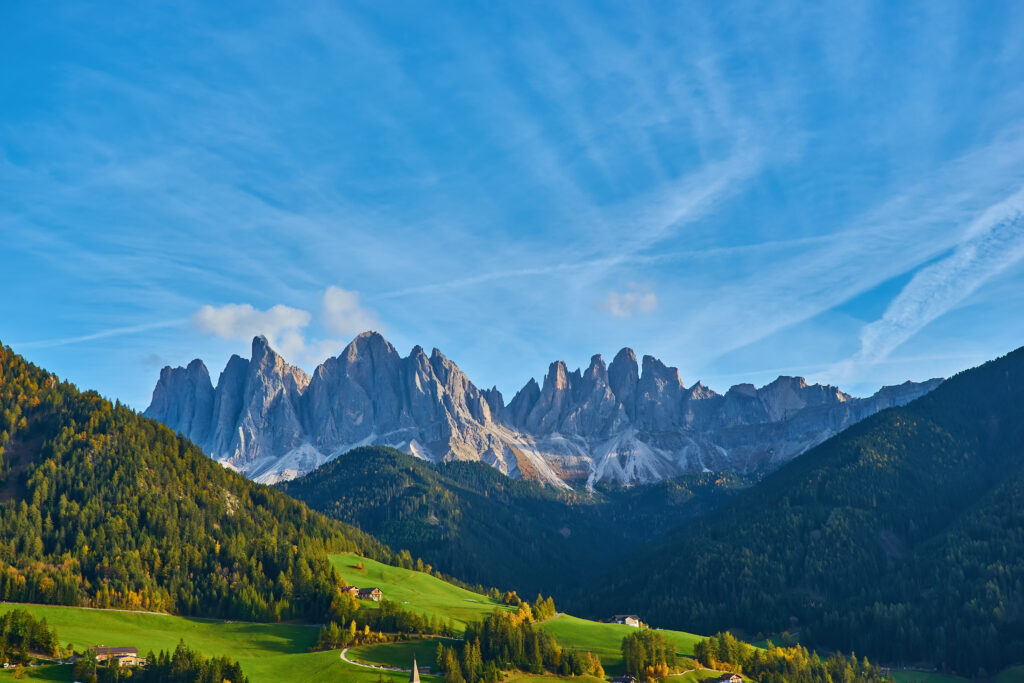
column 624, row 422
column 184, row 397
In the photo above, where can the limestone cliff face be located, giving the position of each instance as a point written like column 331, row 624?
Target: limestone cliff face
column 626, row 422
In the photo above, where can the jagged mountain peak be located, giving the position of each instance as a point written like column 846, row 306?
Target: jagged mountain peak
column 195, row 367
column 625, row 355
column 653, row 369
column 370, row 342
column 558, row 376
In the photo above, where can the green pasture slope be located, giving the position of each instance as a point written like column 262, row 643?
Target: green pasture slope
column 920, row 677
column 280, row 652
column 605, row 640
column 1014, row 674
column 418, row 592
column 428, row 595
column 399, row 654
column 267, row 652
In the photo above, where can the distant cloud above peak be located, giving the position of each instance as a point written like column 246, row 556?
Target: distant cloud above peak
column 285, row 327
column 243, row 321
column 343, row 315
column 636, row 300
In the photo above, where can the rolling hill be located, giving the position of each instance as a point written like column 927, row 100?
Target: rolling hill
column 102, row 507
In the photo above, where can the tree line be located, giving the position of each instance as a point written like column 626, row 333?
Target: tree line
column 22, row 635
column 773, row 664
column 507, row 641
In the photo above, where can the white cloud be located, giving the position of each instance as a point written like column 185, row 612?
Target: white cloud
column 242, row 321
column 342, row 314
column 625, row 304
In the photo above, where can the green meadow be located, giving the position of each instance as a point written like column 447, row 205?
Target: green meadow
column 605, row 640
column 921, row 677
column 398, row 654
column 281, row 652
column 416, row 591
column 267, row 652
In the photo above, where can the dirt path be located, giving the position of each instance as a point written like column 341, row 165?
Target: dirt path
column 372, row 666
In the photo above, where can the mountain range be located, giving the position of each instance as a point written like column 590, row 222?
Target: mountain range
column 624, row 422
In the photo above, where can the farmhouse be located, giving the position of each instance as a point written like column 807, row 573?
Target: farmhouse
column 370, row 594
column 105, row 654
column 131, row 660
column 351, row 590
column 627, row 619
column 730, row 678
column 624, row 679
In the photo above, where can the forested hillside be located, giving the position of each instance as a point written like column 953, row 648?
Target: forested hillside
column 901, row 538
column 471, row 521
column 100, row 506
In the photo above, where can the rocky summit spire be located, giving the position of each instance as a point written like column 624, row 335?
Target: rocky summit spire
column 414, row 677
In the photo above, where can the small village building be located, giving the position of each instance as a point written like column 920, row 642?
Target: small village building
column 370, row 594
column 624, row 679
column 105, row 654
column 627, row 619
column 130, row 661
column 351, row 590
column 730, row 678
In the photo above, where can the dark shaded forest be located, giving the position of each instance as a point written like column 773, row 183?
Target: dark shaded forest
column 901, row 538
column 471, row 521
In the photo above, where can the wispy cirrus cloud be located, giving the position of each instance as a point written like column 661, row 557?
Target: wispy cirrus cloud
column 757, row 169
column 992, row 243
column 102, row 334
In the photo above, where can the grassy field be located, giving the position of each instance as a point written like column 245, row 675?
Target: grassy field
column 276, row 652
column 398, row 654
column 417, row 591
column 605, row 640
column 530, row 678
column 919, row 677
column 1015, row 674
column 267, row 652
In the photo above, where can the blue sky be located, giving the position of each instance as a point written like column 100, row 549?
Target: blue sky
column 743, row 190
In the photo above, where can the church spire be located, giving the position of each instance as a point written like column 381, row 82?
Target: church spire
column 414, row 677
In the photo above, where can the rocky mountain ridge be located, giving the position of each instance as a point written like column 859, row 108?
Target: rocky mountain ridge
column 626, row 422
